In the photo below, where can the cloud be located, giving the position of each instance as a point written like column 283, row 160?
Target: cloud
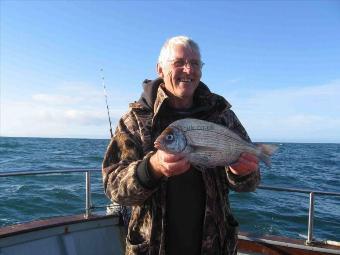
column 233, row 81
column 72, row 116
column 74, row 93
column 309, row 113
column 294, row 113
column 30, row 119
column 84, row 117
column 70, row 93
column 53, row 99
column 71, row 110
column 292, row 96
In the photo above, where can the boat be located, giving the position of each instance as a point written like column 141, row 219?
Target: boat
column 99, row 232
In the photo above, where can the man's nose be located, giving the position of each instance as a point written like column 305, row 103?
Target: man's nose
column 188, row 67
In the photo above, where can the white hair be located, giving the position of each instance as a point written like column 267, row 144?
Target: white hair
column 168, row 48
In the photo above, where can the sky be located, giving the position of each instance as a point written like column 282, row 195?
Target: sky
column 276, row 62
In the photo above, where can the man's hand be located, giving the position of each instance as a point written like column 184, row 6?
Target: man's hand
column 246, row 164
column 167, row 164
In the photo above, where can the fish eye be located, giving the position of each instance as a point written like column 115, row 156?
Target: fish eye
column 169, row 137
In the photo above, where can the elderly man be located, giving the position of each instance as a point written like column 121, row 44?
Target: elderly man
column 176, row 209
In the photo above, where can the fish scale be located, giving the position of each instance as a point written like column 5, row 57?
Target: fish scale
column 208, row 144
column 211, row 148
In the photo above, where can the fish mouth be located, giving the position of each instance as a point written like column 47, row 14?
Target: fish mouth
column 157, row 145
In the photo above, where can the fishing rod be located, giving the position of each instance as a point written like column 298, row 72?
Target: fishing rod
column 124, row 212
column 107, row 105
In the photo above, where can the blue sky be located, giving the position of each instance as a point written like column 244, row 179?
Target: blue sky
column 276, row 62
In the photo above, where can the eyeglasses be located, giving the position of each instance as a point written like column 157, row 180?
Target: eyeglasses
column 181, row 63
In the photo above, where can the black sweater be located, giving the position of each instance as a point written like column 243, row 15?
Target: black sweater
column 185, row 201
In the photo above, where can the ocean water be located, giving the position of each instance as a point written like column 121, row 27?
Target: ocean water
column 295, row 165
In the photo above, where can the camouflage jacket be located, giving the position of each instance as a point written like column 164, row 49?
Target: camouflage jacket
column 133, row 142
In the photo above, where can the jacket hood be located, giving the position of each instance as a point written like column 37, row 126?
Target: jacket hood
column 149, row 95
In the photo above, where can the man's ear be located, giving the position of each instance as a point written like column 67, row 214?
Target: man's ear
column 160, row 71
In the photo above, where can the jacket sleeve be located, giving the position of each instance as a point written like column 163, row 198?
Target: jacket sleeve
column 121, row 160
column 237, row 183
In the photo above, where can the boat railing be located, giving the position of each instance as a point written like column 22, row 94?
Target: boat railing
column 88, row 197
column 89, row 206
column 312, row 194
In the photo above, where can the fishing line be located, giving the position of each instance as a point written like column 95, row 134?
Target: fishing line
column 107, row 105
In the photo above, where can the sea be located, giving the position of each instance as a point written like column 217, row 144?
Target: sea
column 307, row 166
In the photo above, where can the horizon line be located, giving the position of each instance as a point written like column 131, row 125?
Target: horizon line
column 109, row 138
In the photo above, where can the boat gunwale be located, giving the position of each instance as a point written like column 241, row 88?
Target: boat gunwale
column 248, row 242
column 47, row 223
column 276, row 245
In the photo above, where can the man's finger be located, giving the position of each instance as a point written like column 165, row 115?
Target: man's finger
column 176, row 168
column 250, row 157
column 170, row 158
column 243, row 166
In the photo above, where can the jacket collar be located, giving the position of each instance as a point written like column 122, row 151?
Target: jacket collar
column 154, row 97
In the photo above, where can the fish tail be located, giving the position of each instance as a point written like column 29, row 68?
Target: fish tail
column 266, row 151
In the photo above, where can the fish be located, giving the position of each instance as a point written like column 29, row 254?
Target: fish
column 206, row 144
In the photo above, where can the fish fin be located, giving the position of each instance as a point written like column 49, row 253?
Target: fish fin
column 266, row 159
column 266, row 151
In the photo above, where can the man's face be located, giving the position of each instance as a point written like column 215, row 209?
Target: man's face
column 181, row 74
